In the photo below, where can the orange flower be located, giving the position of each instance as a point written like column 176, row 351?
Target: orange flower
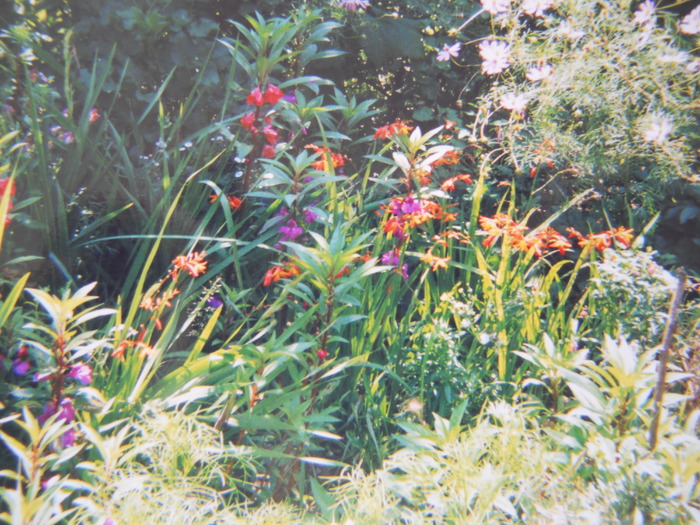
column 399, row 127
column 193, row 263
column 336, row 159
column 500, row 224
column 622, row 235
column 233, row 201
column 433, row 261
column 276, row 273
column 449, row 184
column 599, row 241
column 449, row 158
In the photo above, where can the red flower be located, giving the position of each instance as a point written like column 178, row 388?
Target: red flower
column 273, row 94
column 248, row 120
column 268, row 151
column 255, row 98
column 270, row 134
column 322, row 353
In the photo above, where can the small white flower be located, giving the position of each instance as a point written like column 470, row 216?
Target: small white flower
column 658, row 130
column 644, row 15
column 539, row 73
column 495, row 55
column 569, row 32
column 536, row 7
column 690, row 25
column 495, row 6
column 513, row 102
column 677, row 57
column 449, row 51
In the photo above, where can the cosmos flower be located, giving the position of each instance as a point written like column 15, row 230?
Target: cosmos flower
column 659, row 129
column 536, row 7
column 644, row 15
column 495, row 6
column 538, row 73
column 514, row 102
column 495, row 55
column 448, row 52
column 690, row 25
column 353, row 5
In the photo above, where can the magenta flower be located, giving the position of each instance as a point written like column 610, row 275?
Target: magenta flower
column 309, row 216
column 391, row 258
column 448, row 52
column 290, row 231
column 67, row 412
column 20, row 366
column 82, row 373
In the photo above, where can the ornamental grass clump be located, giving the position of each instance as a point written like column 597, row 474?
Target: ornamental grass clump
column 595, row 88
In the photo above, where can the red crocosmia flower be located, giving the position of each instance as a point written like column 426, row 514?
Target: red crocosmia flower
column 234, row 202
column 272, row 95
column 276, row 273
column 255, row 98
column 399, row 127
column 248, row 120
column 268, row 151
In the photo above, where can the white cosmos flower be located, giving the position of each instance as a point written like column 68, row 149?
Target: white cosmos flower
column 449, row 51
column 539, row 73
column 536, row 7
column 569, row 32
column 644, row 15
column 495, row 6
column 495, row 55
column 658, row 130
column 690, row 25
column 514, row 102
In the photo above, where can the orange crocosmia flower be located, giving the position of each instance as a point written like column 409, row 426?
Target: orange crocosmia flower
column 465, row 178
column 574, row 233
column 449, row 184
column 433, row 261
column 399, row 127
column 234, row 202
column 344, row 271
column 394, row 227
column 449, row 158
column 424, row 177
column 336, row 159
column 599, row 241
column 551, row 238
column 276, row 273
column 622, row 235
column 193, row 263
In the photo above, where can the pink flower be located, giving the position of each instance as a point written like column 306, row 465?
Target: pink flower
column 644, row 15
column 495, row 55
column 353, row 5
column 82, row 373
column 513, row 102
column 248, row 120
column 449, row 51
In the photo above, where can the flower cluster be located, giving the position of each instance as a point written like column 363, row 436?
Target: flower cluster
column 328, row 161
column 399, row 127
column 280, row 271
column 539, row 242
column 603, row 240
column 259, row 126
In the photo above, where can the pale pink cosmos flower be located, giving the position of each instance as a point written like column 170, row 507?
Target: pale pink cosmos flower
column 536, row 7
column 514, row 102
column 495, row 55
column 449, row 51
column 690, row 25
column 495, row 6
column 566, row 30
column 538, row 73
column 353, row 5
column 644, row 15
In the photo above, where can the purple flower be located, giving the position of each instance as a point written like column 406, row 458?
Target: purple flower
column 82, row 373
column 290, row 97
column 309, row 216
column 20, row 366
column 404, row 272
column 448, row 52
column 215, row 301
column 67, row 412
column 290, row 231
column 410, row 205
column 283, row 212
column 391, row 258
column 68, row 438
